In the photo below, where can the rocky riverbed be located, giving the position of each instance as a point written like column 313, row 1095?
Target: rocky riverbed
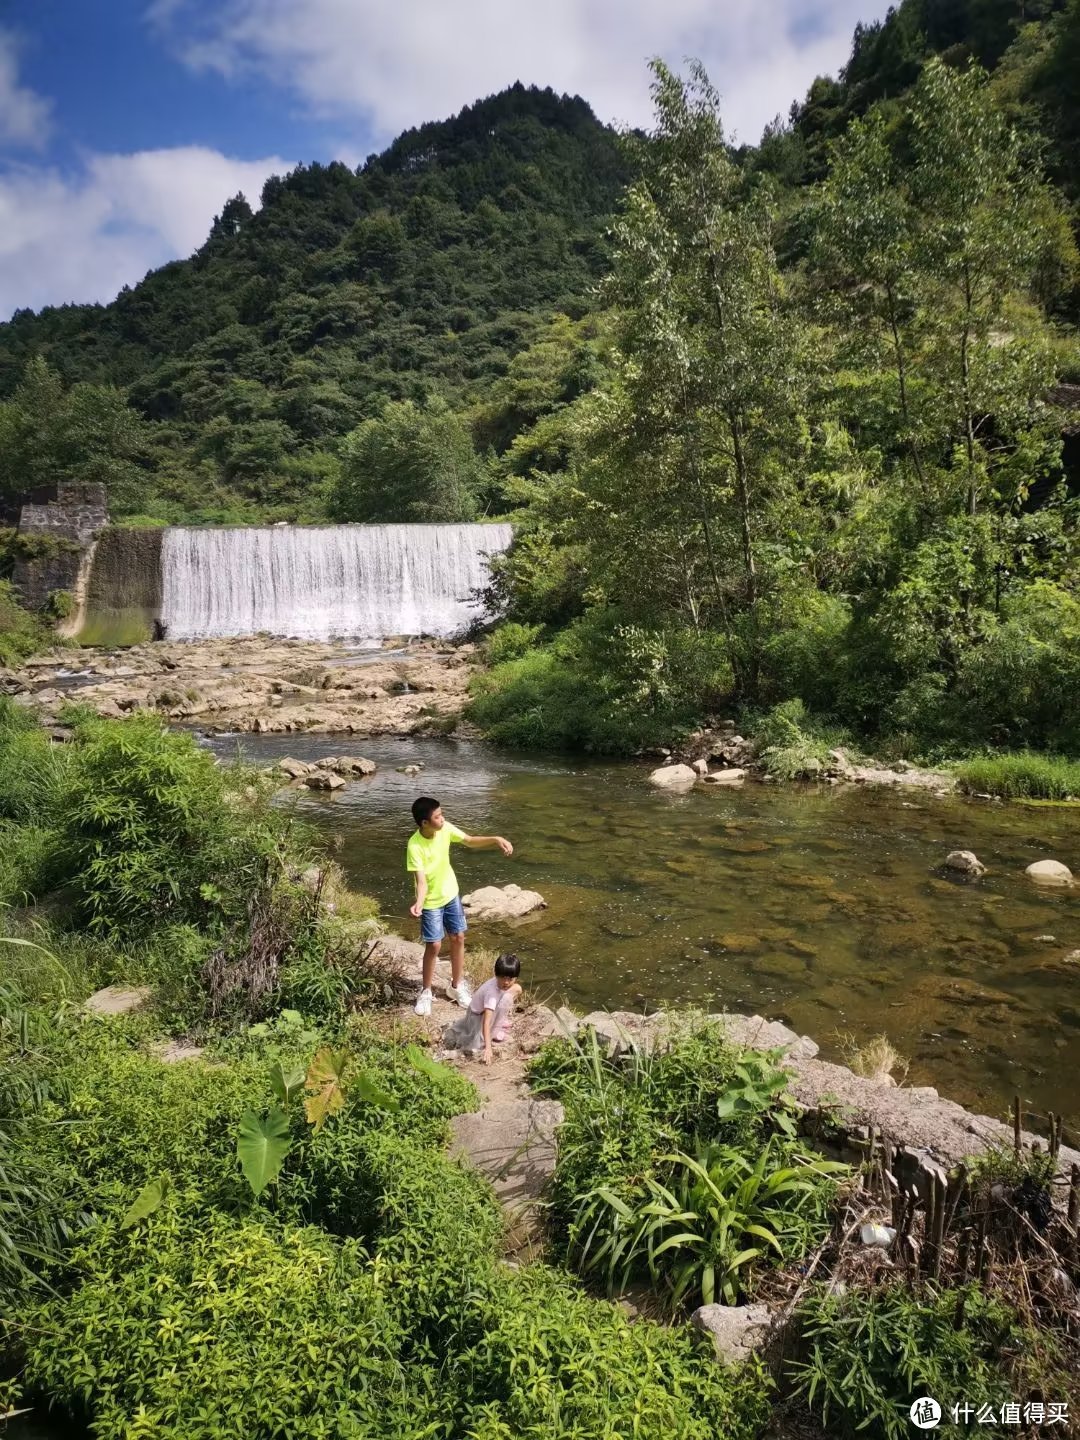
column 259, row 685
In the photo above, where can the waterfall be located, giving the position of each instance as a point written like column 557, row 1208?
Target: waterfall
column 324, row 582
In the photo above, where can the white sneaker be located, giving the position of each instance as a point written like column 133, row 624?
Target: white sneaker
column 462, row 993
column 423, row 1003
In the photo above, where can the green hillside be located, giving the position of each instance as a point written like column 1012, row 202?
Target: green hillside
column 420, row 275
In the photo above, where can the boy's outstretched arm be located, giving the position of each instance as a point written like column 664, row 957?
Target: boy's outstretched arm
column 487, row 842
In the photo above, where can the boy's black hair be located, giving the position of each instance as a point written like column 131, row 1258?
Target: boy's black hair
column 508, row 965
column 423, row 807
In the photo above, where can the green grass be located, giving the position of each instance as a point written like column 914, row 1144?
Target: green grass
column 1024, row 775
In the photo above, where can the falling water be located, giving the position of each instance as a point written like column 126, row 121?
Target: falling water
column 318, row 583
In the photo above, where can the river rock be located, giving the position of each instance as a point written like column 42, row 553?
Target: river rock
column 733, row 776
column 700, row 767
column 673, row 777
column 294, row 769
column 323, row 780
column 349, row 765
column 737, row 1331
column 1049, row 872
column 411, row 770
column 965, row 862
column 509, row 902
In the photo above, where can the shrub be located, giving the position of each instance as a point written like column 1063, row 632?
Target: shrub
column 791, row 745
column 216, row 1329
column 150, row 835
column 511, row 642
column 20, row 632
column 871, row 1353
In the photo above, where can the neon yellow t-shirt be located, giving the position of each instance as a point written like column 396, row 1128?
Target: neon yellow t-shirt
column 433, row 858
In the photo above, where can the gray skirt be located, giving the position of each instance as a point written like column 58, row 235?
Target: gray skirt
column 466, row 1033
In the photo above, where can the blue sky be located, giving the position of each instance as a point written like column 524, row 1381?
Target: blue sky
column 126, row 124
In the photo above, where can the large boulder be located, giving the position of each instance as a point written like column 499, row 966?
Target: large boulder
column 1049, row 872
column 118, row 999
column 323, row 780
column 737, row 1331
column 673, row 777
column 349, row 765
column 508, row 902
column 965, row 862
column 294, row 769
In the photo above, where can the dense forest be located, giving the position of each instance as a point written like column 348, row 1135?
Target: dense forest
column 785, row 426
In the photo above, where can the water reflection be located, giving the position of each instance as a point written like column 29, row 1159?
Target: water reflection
column 819, row 906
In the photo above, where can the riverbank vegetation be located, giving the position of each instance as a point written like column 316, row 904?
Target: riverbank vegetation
column 265, row 1232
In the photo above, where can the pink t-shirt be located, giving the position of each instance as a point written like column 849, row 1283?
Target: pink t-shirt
column 488, row 996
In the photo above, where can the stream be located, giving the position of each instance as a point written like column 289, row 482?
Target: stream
column 818, row 905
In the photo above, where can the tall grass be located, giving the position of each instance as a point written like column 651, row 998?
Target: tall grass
column 1023, row 775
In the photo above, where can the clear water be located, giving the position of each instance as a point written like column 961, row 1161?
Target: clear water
column 819, row 906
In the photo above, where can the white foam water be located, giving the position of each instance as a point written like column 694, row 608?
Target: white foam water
column 324, row 582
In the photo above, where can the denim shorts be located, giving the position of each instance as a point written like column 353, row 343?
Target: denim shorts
column 448, row 919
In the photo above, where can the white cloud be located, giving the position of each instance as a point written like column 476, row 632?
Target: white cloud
column 25, row 116
column 392, row 65
column 83, row 238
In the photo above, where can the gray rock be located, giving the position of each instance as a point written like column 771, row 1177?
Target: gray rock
column 294, row 769
column 1049, row 872
column 616, row 1037
column 118, row 999
column 737, row 1331
column 965, row 862
column 569, row 1024
column 733, row 776
column 323, row 780
column 350, row 765
column 509, row 902
column 673, row 777
column 701, row 767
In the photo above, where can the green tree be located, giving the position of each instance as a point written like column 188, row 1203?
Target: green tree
column 410, row 463
column 87, row 433
column 696, row 447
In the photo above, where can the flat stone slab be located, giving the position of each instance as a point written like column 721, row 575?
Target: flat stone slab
column 513, row 1143
column 737, row 1331
column 118, row 999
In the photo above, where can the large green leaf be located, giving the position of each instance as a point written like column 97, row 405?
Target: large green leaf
column 262, row 1144
column 372, row 1093
column 146, row 1202
column 286, row 1084
column 434, row 1070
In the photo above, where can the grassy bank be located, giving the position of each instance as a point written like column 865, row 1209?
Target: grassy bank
column 1022, row 776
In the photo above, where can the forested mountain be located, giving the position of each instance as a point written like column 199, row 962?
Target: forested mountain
column 420, row 275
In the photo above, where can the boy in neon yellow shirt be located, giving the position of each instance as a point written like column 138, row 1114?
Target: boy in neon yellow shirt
column 438, row 902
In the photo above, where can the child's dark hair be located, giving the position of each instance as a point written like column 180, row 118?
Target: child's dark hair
column 508, row 966
column 423, row 807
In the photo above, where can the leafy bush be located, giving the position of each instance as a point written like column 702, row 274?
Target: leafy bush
column 604, row 684
column 20, row 632
column 871, row 1353
column 679, row 1164
column 1021, row 776
column 511, row 642
column 791, row 745
column 150, row 833
column 208, row 1328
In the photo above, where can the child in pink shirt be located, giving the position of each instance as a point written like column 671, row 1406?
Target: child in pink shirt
column 488, row 1016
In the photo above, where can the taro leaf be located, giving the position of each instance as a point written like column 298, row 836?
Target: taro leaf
column 326, row 1082
column 146, row 1202
column 286, row 1085
column 437, row 1073
column 262, row 1143
column 370, row 1091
